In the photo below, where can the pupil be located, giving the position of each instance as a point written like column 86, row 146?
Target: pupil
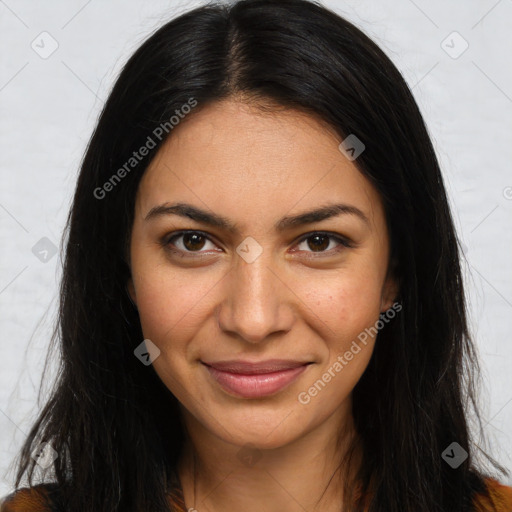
column 319, row 246
column 193, row 236
column 191, row 240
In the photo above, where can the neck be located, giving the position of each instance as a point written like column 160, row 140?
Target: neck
column 305, row 474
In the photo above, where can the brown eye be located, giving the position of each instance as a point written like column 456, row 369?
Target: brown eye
column 193, row 241
column 188, row 242
column 319, row 243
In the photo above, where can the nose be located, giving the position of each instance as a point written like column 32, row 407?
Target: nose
column 256, row 301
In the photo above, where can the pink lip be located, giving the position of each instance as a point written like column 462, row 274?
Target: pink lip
column 254, row 380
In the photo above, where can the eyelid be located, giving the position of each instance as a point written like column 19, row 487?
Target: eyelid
column 343, row 242
column 176, row 234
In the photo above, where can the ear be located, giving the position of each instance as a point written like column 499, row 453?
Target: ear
column 130, row 288
column 389, row 292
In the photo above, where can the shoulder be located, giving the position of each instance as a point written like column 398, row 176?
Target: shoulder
column 40, row 498
column 500, row 497
column 27, row 499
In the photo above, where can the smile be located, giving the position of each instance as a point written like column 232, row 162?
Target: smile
column 255, row 380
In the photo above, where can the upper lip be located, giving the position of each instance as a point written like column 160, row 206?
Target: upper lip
column 248, row 368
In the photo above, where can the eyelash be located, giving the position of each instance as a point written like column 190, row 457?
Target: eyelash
column 166, row 243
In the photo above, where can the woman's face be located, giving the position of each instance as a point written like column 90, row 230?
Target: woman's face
column 267, row 287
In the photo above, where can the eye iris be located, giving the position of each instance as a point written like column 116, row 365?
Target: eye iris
column 196, row 241
column 317, row 245
column 193, row 239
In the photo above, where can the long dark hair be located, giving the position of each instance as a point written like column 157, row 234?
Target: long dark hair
column 113, row 424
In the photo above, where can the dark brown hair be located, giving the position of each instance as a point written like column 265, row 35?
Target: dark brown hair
column 114, row 425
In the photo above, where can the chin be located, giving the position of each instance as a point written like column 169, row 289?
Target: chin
column 264, row 430
column 260, row 440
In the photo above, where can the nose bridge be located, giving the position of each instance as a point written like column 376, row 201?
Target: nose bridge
column 255, row 304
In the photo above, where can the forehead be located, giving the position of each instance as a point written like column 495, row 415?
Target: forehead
column 250, row 165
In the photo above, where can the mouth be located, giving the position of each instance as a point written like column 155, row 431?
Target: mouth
column 255, row 380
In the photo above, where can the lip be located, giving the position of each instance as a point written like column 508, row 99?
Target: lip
column 254, row 380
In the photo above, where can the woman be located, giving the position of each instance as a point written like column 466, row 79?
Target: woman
column 262, row 304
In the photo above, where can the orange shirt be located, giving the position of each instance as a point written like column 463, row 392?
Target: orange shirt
column 35, row 499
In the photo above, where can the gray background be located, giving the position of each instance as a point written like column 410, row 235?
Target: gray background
column 49, row 107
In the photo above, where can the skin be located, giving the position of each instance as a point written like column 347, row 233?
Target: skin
column 294, row 301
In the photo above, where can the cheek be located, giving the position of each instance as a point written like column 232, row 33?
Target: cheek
column 346, row 309
column 171, row 307
column 345, row 303
column 169, row 304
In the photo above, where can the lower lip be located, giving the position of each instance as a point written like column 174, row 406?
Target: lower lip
column 255, row 386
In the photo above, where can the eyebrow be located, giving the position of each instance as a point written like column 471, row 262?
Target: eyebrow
column 286, row 223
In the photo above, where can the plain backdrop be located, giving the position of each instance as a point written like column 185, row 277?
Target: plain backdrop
column 455, row 55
